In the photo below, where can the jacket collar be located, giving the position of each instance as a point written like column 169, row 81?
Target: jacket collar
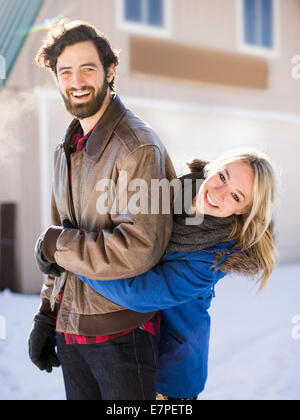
column 103, row 131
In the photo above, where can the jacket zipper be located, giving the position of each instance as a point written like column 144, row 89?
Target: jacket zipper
column 70, row 200
column 70, row 203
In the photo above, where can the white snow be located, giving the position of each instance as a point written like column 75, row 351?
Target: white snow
column 254, row 355
column 19, row 378
column 254, row 352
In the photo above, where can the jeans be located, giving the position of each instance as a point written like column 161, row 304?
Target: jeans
column 120, row 369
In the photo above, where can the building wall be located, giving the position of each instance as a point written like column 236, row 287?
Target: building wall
column 192, row 118
column 19, row 182
column 195, row 23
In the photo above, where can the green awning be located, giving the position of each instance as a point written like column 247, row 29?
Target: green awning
column 16, row 18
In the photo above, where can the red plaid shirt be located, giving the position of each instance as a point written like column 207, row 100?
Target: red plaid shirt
column 152, row 326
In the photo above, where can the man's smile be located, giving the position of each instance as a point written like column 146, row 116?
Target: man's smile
column 80, row 95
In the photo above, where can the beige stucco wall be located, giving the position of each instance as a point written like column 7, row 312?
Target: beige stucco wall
column 19, row 183
column 192, row 119
column 201, row 23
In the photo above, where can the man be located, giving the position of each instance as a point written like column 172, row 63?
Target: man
column 106, row 351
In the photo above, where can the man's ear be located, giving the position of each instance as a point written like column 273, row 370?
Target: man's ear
column 111, row 72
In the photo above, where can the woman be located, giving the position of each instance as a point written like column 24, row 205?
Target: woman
column 235, row 236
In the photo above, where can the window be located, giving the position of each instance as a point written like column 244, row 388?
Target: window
column 149, row 12
column 259, row 25
column 147, row 16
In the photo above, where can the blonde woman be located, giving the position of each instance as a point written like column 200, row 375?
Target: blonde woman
column 234, row 235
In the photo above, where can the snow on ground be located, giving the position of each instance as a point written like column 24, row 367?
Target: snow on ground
column 253, row 354
column 19, row 378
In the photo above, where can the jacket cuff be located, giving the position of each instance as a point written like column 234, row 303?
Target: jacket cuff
column 49, row 243
column 45, row 308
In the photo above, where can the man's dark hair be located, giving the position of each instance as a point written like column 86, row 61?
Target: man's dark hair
column 66, row 33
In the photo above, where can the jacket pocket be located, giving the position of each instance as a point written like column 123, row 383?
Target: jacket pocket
column 172, row 334
column 171, row 349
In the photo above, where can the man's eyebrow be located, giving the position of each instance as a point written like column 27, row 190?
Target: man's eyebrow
column 82, row 65
column 89, row 65
column 64, row 68
column 228, row 176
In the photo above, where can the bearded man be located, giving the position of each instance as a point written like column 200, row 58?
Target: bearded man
column 106, row 351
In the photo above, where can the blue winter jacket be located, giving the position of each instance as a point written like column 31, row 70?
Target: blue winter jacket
column 182, row 286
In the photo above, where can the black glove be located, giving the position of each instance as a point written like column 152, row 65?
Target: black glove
column 42, row 343
column 45, row 266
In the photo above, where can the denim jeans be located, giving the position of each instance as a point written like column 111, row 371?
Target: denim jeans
column 120, row 369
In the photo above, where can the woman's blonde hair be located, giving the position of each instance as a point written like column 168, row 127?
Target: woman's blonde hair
column 254, row 228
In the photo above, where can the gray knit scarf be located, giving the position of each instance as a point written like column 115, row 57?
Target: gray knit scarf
column 211, row 230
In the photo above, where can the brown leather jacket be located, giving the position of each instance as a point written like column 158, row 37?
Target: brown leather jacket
column 106, row 246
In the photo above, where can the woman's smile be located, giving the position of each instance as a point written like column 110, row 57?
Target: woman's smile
column 209, row 200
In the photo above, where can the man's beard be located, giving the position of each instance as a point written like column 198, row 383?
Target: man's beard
column 89, row 108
